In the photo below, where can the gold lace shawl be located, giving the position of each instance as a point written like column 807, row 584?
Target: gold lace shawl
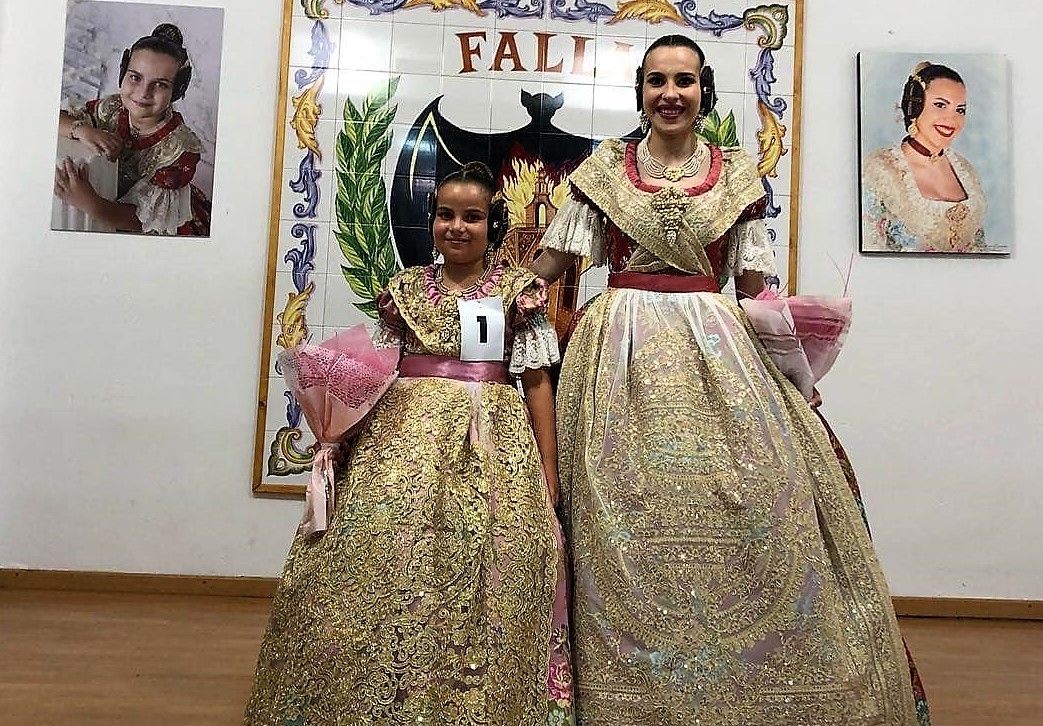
column 913, row 223
column 670, row 226
column 434, row 319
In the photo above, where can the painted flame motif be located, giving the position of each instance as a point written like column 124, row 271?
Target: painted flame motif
column 293, row 326
column 654, row 11
column 520, row 191
column 307, row 110
column 770, row 139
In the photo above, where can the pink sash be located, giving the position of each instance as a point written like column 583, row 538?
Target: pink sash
column 439, row 366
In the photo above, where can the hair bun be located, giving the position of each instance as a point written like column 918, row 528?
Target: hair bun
column 921, row 67
column 170, row 33
column 480, row 170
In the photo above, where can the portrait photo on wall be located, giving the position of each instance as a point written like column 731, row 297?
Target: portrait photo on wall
column 137, row 122
column 934, row 153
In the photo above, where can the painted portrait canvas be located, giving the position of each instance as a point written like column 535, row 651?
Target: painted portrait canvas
column 935, row 153
column 137, row 121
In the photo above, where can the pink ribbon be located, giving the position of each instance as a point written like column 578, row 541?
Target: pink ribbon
column 320, row 495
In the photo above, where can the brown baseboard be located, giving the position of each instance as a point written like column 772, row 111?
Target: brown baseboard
column 968, row 607
column 143, row 583
column 140, row 583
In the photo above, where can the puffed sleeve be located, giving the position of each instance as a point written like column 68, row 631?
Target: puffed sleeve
column 535, row 341
column 164, row 200
column 749, row 249
column 391, row 328
column 577, row 228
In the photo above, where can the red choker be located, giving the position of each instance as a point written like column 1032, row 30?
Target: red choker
column 923, row 150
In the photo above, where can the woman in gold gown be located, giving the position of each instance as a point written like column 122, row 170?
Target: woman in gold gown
column 723, row 574
column 437, row 595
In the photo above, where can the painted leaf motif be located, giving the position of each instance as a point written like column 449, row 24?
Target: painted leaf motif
column 728, row 133
column 653, row 11
column 437, row 5
column 363, row 229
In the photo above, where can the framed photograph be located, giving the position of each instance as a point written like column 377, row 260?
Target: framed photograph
column 379, row 98
column 137, row 121
column 934, row 153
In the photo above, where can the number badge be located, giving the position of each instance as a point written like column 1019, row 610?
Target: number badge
column 482, row 328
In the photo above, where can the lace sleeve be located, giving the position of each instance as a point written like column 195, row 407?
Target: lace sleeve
column 160, row 210
column 749, row 248
column 577, row 228
column 391, row 328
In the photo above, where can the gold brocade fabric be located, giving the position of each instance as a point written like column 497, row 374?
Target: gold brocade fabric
column 670, row 226
column 723, row 575
column 137, row 164
column 436, row 597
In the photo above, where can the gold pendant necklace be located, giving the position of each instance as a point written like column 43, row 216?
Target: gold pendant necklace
column 657, row 170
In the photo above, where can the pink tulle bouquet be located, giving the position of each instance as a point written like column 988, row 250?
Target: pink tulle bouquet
column 803, row 334
column 337, row 383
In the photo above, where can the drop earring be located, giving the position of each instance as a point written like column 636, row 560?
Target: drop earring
column 697, row 126
column 646, row 123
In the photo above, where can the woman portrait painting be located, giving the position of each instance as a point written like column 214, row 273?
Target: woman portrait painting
column 919, row 192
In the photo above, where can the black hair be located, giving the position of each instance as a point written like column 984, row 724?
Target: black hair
column 475, row 172
column 166, row 38
column 706, row 82
column 914, row 95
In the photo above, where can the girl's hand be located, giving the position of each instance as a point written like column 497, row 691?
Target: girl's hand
column 72, row 186
column 100, row 142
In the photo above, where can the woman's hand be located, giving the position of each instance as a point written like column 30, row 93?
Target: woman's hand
column 550, row 473
column 72, row 186
column 816, row 398
column 100, row 142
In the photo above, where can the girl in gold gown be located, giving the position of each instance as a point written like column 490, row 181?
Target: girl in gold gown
column 437, row 595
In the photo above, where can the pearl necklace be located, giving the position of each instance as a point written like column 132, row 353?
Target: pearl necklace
column 657, row 170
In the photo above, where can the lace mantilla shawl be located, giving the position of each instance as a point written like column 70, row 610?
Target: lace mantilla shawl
column 415, row 311
column 671, row 226
column 898, row 218
column 144, row 163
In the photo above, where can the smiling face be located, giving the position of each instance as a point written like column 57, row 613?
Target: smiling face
column 944, row 113
column 147, row 88
column 461, row 226
column 671, row 94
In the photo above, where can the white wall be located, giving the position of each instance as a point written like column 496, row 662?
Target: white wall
column 938, row 395
column 128, row 366
column 128, row 380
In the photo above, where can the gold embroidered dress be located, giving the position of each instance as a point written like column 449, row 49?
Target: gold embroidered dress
column 723, row 575
column 437, row 595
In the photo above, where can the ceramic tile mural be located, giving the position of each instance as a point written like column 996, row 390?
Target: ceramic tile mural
column 378, row 97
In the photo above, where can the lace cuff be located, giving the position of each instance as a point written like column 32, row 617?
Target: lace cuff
column 160, row 210
column 535, row 345
column 385, row 337
column 749, row 248
column 577, row 228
